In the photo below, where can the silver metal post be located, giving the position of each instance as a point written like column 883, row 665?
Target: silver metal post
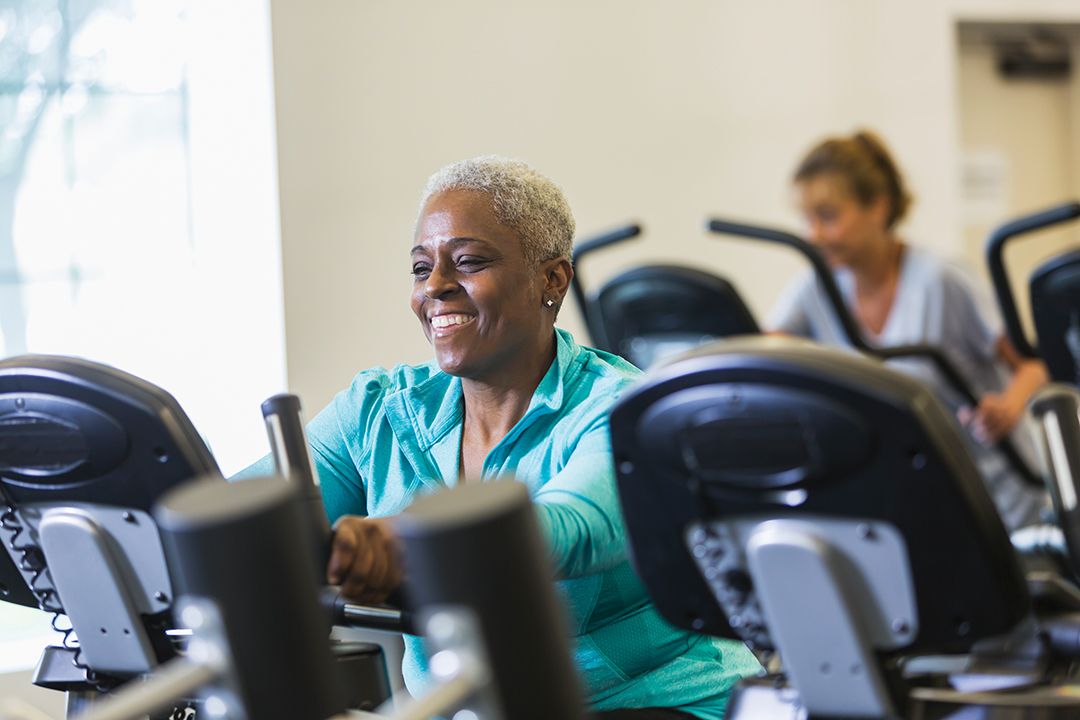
column 174, row 679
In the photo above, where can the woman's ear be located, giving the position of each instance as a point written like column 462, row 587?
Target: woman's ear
column 880, row 209
column 557, row 275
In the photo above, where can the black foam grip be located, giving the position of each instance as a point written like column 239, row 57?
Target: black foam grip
column 479, row 546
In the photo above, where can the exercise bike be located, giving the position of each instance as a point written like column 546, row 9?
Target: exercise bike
column 654, row 311
column 817, row 504
column 86, row 451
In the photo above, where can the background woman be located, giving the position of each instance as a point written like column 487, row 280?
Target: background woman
column 508, row 395
column 852, row 197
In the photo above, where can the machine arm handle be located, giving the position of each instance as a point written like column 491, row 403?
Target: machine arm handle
column 285, row 426
column 854, row 334
column 995, row 259
column 589, row 245
column 821, row 269
column 292, row 458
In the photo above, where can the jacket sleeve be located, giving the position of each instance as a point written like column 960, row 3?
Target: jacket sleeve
column 578, row 510
column 339, row 479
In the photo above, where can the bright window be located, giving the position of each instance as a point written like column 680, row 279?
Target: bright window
column 138, row 210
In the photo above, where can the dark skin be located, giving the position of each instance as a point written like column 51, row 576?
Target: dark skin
column 857, row 235
column 484, row 309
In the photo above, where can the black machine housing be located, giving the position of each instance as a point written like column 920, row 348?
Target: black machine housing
column 781, row 428
column 1055, row 307
column 75, row 431
column 87, row 452
column 814, row 502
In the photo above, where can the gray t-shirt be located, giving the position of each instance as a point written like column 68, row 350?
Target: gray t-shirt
column 937, row 303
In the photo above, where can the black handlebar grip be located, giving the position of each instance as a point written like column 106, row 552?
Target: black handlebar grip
column 478, row 546
column 242, row 545
column 371, row 617
column 285, row 425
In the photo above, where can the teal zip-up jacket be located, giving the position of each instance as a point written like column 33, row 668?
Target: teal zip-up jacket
column 395, row 434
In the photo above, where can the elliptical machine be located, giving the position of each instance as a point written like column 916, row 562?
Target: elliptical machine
column 1054, row 288
column 655, row 311
column 855, row 337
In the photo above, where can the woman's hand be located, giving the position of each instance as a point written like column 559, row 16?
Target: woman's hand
column 993, row 419
column 364, row 559
column 998, row 413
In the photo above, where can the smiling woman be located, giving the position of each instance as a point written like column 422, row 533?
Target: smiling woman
column 508, row 395
column 481, row 303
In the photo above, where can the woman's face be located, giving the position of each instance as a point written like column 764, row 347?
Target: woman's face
column 836, row 222
column 479, row 302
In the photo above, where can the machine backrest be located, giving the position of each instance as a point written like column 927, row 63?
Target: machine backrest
column 765, row 428
column 1055, row 307
column 649, row 312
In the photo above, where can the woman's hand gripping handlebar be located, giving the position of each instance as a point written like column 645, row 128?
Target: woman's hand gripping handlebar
column 363, row 561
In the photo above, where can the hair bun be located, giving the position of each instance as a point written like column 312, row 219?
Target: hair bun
column 867, row 166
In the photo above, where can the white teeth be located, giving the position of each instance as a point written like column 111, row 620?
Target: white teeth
column 445, row 321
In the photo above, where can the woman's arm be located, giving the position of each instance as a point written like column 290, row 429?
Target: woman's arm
column 998, row 413
column 578, row 510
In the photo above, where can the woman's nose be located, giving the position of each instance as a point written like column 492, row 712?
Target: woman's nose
column 439, row 283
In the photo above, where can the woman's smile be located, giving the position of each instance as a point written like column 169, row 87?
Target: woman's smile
column 446, row 324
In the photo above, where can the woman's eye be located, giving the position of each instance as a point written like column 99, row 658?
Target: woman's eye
column 420, row 269
column 471, row 262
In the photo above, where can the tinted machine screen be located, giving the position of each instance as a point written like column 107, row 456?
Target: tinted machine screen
column 715, row 445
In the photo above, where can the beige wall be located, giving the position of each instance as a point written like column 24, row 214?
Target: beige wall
column 1033, row 128
column 658, row 111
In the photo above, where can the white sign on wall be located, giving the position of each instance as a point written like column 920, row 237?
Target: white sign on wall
column 984, row 186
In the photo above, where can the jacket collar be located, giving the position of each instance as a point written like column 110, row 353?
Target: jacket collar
column 422, row 415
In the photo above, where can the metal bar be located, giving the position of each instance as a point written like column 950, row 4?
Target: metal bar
column 441, row 701
column 590, row 245
column 172, row 680
column 995, row 259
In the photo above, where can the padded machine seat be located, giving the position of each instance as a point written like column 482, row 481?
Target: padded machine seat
column 654, row 311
